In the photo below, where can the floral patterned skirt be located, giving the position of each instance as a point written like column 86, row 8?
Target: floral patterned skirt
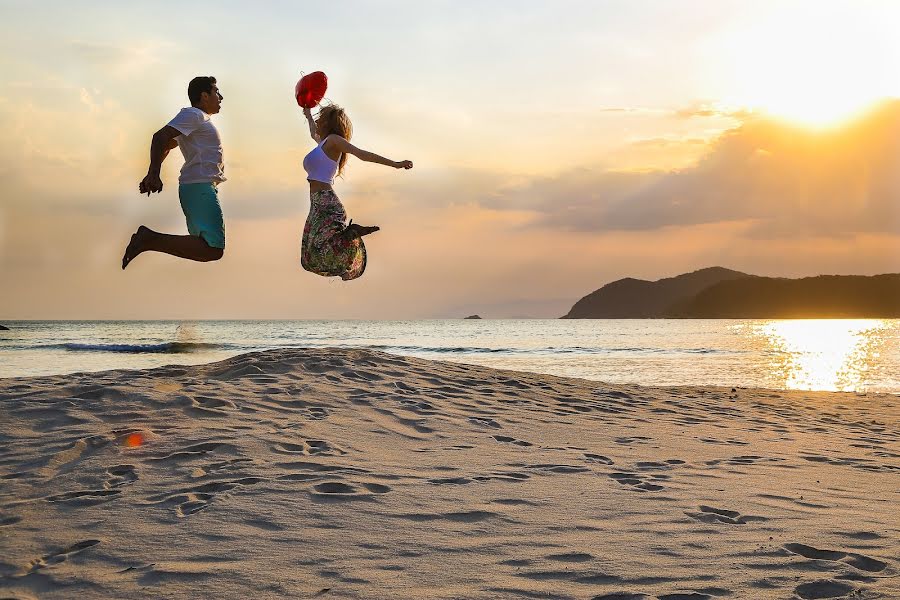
column 324, row 250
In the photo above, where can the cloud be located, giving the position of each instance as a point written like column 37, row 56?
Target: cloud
column 69, row 149
column 787, row 180
column 120, row 60
column 792, row 181
column 702, row 108
column 667, row 143
column 631, row 109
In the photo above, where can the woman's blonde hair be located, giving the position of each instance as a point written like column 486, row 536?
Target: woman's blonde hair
column 335, row 120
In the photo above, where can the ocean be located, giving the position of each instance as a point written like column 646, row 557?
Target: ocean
column 858, row 355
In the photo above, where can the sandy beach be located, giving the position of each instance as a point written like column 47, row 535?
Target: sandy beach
column 359, row 474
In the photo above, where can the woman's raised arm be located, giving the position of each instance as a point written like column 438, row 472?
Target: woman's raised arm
column 312, row 124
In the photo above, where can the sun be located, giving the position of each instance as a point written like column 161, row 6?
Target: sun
column 816, row 64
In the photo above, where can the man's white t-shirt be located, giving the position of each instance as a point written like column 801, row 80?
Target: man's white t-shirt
column 201, row 146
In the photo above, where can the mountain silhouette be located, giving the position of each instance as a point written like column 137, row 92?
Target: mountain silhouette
column 822, row 297
column 638, row 299
column 719, row 293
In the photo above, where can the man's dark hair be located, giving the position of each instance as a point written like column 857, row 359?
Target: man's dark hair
column 198, row 85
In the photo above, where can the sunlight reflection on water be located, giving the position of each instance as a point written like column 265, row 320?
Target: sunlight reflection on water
column 822, row 354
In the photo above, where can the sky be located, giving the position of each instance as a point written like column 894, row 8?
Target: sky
column 558, row 146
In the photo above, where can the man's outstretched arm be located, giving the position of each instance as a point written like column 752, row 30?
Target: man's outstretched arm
column 163, row 141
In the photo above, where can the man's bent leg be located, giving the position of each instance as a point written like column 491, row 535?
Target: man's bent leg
column 191, row 247
column 183, row 246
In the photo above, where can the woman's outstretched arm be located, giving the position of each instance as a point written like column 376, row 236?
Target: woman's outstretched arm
column 343, row 145
column 312, row 124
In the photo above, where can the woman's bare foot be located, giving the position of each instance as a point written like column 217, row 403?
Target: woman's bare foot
column 135, row 246
column 353, row 230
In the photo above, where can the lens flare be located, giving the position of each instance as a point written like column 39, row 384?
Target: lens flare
column 134, row 440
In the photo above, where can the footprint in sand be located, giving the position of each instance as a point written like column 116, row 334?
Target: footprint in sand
column 404, row 388
column 193, row 500
column 190, row 451
column 571, row 557
column 550, row 468
column 315, row 413
column 418, row 406
column 218, row 467
column 205, row 406
column 211, row 403
column 709, row 514
column 333, row 487
column 485, row 422
column 861, row 562
column 513, row 383
column 597, row 458
column 637, row 481
column 63, row 555
column 510, row 440
column 189, row 504
column 860, row 535
column 509, row 476
column 120, row 475
column 67, row 459
column 450, row 481
column 731, row 442
column 659, row 466
column 84, row 497
column 336, row 490
column 470, row 516
column 815, row 590
column 857, row 463
column 743, row 460
column 309, row 448
column 514, row 502
column 635, row 439
column 361, row 375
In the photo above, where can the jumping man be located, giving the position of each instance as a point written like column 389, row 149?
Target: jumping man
column 191, row 130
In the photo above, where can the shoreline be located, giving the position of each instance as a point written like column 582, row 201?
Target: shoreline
column 251, row 353
column 850, row 356
column 361, row 474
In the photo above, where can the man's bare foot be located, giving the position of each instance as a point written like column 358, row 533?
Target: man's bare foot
column 135, row 246
column 353, row 230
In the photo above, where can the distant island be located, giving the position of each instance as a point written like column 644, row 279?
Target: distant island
column 719, row 293
column 473, row 317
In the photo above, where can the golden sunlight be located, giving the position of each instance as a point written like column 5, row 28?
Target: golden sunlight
column 814, row 64
column 822, row 354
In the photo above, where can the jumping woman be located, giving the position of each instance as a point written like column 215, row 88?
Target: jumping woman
column 330, row 248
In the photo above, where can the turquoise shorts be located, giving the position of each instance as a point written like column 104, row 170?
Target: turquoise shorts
column 200, row 203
